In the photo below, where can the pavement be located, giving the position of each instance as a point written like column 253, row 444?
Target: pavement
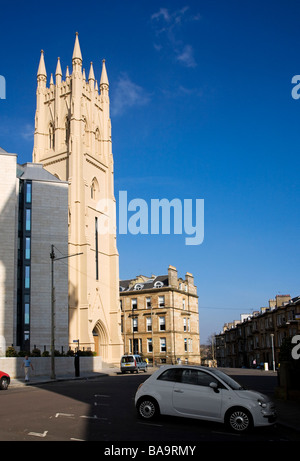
column 288, row 410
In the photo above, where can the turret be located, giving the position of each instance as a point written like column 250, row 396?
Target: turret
column 104, row 84
column 58, row 73
column 41, row 73
column 39, row 135
column 92, row 77
column 76, row 58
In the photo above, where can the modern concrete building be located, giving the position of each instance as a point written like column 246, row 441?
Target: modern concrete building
column 72, row 141
column 160, row 318
column 33, row 217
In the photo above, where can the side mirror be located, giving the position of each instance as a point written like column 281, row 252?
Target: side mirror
column 214, row 386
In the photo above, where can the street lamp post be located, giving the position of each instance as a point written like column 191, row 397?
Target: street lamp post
column 53, row 258
column 273, row 358
column 152, row 340
column 132, row 332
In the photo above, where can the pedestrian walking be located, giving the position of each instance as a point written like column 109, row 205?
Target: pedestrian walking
column 27, row 365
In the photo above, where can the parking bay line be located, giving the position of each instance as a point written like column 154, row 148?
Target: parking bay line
column 94, row 417
column 38, row 434
column 151, row 424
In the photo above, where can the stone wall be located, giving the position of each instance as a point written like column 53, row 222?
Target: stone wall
column 42, row 366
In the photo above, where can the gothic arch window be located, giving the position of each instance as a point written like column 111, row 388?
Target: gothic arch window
column 67, row 131
column 51, row 136
column 85, row 131
column 97, row 141
column 94, row 189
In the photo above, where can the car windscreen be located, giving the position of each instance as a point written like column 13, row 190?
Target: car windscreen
column 227, row 379
column 127, row 359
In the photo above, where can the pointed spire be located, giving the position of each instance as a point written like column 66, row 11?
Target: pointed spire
column 51, row 80
column 58, row 73
column 67, row 72
column 76, row 51
column 104, row 79
column 91, row 74
column 42, row 68
column 58, row 68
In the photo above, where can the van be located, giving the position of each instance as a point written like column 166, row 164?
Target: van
column 131, row 363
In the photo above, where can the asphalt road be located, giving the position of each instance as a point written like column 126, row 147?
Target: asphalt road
column 103, row 410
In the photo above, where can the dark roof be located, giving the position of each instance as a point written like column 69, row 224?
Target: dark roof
column 159, row 281
column 35, row 171
column 295, row 300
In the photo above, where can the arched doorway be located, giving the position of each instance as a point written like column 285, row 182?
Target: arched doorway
column 100, row 340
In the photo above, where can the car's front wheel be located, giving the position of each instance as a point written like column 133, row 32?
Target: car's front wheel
column 147, row 408
column 4, row 383
column 239, row 420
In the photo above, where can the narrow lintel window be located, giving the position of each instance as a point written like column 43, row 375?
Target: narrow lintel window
column 185, row 344
column 148, row 303
column 28, row 192
column 162, row 323
column 134, row 324
column 27, row 248
column 96, row 249
column 27, row 276
column 163, row 346
column 149, row 324
column 134, row 303
column 161, row 301
column 28, row 219
column 26, row 314
column 149, row 345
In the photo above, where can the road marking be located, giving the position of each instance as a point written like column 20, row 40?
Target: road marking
column 102, row 395
column 66, row 415
column 37, row 434
column 77, row 440
column 94, row 417
column 225, row 433
column 151, row 424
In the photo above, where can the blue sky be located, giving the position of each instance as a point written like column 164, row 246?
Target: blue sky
column 201, row 108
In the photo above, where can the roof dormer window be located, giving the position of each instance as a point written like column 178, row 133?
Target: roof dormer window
column 139, row 286
column 158, row 284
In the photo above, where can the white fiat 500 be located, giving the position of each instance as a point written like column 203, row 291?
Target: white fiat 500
column 203, row 393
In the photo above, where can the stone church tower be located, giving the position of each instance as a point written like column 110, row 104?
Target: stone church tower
column 73, row 142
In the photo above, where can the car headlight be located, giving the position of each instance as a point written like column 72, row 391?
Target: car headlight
column 262, row 403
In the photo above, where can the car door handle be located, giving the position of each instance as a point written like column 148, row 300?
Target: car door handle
column 179, row 391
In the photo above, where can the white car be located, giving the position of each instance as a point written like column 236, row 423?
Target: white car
column 203, row 393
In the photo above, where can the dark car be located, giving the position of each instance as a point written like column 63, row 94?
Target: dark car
column 4, row 380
